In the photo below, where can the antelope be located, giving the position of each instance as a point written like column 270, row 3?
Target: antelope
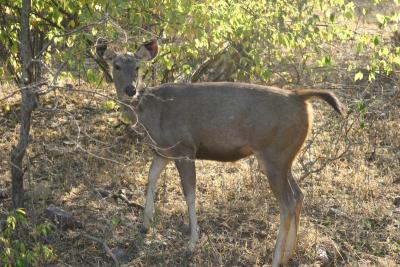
column 219, row 121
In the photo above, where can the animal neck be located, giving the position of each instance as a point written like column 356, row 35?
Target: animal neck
column 129, row 107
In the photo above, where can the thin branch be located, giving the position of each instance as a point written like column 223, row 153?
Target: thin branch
column 68, row 33
column 105, row 247
column 326, row 160
column 22, row 88
column 128, row 202
column 70, row 16
column 49, row 21
column 205, row 65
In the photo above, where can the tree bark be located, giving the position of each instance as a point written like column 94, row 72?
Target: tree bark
column 28, row 103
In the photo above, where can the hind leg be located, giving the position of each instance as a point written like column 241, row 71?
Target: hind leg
column 282, row 187
column 187, row 173
column 299, row 197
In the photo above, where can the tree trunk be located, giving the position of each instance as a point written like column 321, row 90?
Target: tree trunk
column 28, row 103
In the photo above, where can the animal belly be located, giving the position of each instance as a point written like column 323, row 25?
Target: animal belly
column 223, row 154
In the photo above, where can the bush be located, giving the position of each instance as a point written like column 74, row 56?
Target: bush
column 21, row 244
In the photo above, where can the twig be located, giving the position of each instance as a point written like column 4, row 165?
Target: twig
column 205, row 65
column 68, row 33
column 78, row 146
column 127, row 201
column 9, row 95
column 137, row 123
column 117, row 27
column 105, row 246
column 30, row 87
column 326, row 160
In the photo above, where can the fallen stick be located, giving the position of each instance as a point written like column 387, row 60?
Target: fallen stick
column 105, row 246
column 127, row 201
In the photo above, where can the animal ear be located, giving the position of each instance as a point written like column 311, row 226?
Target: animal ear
column 102, row 51
column 147, row 51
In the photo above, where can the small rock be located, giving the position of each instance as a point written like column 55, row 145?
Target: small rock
column 396, row 210
column 61, row 218
column 396, row 201
column 121, row 254
column 386, row 262
column 3, row 194
column 322, row 256
column 337, row 212
column 103, row 192
column 2, row 225
column 38, row 193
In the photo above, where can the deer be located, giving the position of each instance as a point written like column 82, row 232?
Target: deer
column 219, row 121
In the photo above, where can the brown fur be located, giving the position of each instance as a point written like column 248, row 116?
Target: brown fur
column 227, row 121
column 329, row 97
column 223, row 122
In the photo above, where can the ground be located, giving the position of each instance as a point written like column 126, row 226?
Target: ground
column 82, row 157
column 85, row 160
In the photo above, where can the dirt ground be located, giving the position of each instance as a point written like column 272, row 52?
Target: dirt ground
column 85, row 160
column 82, row 158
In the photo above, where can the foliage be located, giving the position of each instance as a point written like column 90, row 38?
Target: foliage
column 256, row 38
column 16, row 250
column 256, row 41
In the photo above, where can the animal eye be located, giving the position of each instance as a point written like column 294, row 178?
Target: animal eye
column 117, row 67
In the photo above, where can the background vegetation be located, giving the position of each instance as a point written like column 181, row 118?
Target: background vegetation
column 84, row 158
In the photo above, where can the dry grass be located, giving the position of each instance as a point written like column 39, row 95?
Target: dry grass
column 79, row 149
column 348, row 209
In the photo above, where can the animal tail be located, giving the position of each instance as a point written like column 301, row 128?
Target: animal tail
column 327, row 96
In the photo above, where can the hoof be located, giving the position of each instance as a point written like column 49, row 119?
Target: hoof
column 188, row 253
column 190, row 249
column 185, row 229
column 143, row 229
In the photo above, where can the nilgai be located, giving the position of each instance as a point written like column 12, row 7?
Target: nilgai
column 223, row 122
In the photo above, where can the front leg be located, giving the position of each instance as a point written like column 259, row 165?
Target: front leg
column 187, row 173
column 156, row 168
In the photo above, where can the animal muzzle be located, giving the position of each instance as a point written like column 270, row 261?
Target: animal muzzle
column 130, row 90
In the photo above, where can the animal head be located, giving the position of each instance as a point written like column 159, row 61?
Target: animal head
column 125, row 66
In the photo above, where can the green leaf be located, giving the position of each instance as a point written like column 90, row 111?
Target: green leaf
column 361, row 106
column 92, row 76
column 109, row 105
column 11, row 222
column 186, row 69
column 115, row 221
column 349, row 14
column 359, row 76
column 371, row 76
column 380, row 18
column 59, row 20
column 124, row 119
column 168, row 63
column 396, row 60
column 283, row 40
column 359, row 48
column 332, row 17
column 21, row 211
column 325, row 61
column 376, row 40
column 7, row 107
column 364, row 11
column 48, row 252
